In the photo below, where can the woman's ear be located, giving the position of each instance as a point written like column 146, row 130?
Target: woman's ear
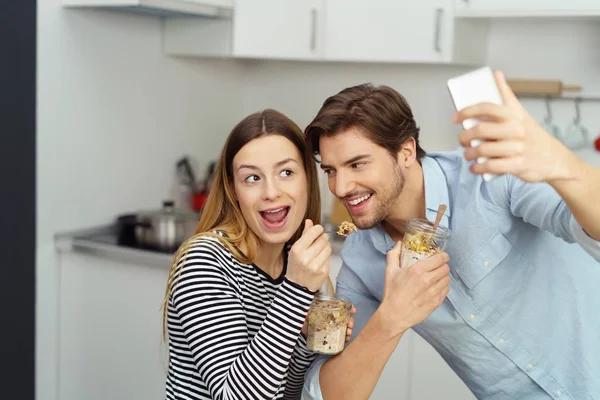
column 407, row 155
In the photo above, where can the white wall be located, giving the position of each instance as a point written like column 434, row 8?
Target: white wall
column 114, row 114
column 567, row 50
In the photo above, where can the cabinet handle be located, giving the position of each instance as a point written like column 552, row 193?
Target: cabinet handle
column 313, row 29
column 439, row 14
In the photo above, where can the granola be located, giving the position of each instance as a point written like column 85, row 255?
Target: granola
column 346, row 228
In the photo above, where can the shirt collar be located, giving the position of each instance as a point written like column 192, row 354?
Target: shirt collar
column 436, row 193
column 436, row 189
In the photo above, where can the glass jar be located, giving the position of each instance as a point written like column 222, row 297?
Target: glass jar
column 421, row 241
column 328, row 319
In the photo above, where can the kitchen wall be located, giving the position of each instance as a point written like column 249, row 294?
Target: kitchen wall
column 568, row 50
column 114, row 114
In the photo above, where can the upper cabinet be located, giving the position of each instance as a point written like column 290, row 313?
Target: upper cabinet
column 334, row 30
column 527, row 8
column 400, row 31
column 205, row 8
column 278, row 29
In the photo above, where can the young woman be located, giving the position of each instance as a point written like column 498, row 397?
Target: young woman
column 239, row 290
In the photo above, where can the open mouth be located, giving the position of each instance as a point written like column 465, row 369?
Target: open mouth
column 358, row 203
column 275, row 218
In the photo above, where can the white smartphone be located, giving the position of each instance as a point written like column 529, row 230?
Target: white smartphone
column 474, row 87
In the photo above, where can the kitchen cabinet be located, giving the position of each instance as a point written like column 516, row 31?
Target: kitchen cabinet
column 110, row 329
column 205, row 8
column 527, row 8
column 393, row 31
column 258, row 29
column 334, row 30
column 277, row 29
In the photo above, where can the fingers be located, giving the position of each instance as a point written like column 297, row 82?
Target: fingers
column 353, row 311
column 441, row 288
column 492, row 131
column 506, row 148
column 307, row 224
column 439, row 273
column 495, row 112
column 393, row 256
column 309, row 235
column 498, row 166
column 506, row 92
column 322, row 256
column 349, row 328
column 433, row 262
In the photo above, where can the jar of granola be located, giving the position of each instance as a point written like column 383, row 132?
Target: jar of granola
column 421, row 241
column 328, row 319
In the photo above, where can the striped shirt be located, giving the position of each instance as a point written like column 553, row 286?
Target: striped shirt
column 234, row 332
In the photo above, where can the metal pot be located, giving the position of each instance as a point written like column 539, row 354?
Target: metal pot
column 165, row 229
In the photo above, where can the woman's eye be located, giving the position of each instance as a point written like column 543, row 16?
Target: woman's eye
column 251, row 179
column 328, row 171
column 286, row 172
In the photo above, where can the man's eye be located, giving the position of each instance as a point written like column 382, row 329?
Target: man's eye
column 357, row 165
column 328, row 171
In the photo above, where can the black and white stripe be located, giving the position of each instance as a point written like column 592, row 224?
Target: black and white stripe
column 234, row 332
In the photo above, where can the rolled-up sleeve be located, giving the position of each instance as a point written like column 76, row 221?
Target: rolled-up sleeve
column 540, row 205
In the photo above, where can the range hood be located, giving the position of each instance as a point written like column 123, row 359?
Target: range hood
column 167, row 8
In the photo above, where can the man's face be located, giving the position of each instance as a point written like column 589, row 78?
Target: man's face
column 363, row 175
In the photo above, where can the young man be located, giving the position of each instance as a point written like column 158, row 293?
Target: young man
column 521, row 318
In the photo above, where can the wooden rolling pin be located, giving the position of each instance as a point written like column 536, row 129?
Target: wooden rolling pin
column 541, row 88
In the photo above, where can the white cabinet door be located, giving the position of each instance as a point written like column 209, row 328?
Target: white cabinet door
column 388, row 30
column 431, row 377
column 110, row 330
column 528, row 7
column 283, row 29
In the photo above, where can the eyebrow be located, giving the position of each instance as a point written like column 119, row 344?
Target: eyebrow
column 350, row 161
column 277, row 164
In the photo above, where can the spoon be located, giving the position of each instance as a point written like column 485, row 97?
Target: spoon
column 440, row 214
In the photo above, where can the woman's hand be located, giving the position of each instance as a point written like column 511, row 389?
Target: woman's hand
column 348, row 329
column 308, row 260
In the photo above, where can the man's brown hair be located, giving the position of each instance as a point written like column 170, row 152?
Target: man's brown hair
column 383, row 114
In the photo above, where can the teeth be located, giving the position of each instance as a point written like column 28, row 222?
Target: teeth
column 274, row 211
column 359, row 200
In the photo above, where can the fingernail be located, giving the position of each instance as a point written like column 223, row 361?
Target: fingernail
column 455, row 117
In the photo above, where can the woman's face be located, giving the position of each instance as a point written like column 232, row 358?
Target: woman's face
column 271, row 187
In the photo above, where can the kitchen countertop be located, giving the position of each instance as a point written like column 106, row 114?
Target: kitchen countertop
column 102, row 242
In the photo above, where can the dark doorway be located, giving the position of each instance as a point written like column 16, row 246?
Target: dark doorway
column 17, row 197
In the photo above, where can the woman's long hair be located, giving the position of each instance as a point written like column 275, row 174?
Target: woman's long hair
column 221, row 211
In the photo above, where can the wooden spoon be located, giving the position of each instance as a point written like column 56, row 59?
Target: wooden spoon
column 440, row 214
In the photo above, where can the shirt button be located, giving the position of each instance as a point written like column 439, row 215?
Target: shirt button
column 486, row 263
column 501, row 341
column 530, row 366
column 558, row 393
column 472, row 317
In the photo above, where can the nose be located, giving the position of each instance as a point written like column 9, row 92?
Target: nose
column 271, row 189
column 340, row 184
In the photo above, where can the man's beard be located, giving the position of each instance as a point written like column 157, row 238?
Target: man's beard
column 385, row 200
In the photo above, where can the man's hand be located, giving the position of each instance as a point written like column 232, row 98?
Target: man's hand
column 514, row 142
column 412, row 294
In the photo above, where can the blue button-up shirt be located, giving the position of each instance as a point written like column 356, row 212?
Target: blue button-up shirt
column 522, row 318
